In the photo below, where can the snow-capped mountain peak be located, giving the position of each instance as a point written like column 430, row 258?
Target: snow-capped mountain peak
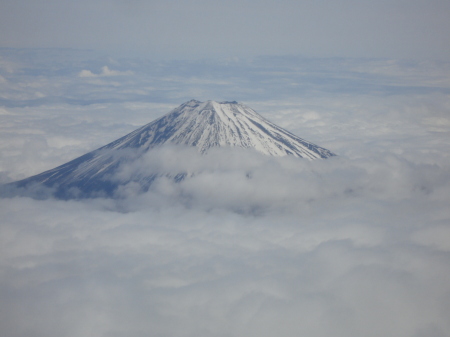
column 202, row 125
column 211, row 124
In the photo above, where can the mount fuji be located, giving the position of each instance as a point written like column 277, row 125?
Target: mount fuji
column 201, row 125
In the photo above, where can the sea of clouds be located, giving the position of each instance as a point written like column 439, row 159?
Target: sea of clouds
column 355, row 245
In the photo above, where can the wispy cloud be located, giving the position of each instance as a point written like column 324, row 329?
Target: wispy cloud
column 105, row 72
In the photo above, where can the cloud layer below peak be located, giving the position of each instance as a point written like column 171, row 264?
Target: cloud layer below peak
column 249, row 245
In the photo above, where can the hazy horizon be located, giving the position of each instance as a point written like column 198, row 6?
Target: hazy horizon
column 203, row 29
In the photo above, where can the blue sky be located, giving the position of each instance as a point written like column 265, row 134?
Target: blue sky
column 201, row 28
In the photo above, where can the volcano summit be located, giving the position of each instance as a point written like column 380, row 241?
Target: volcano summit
column 203, row 125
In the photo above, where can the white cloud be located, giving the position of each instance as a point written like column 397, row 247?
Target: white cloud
column 87, row 73
column 317, row 260
column 329, row 246
column 105, row 72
